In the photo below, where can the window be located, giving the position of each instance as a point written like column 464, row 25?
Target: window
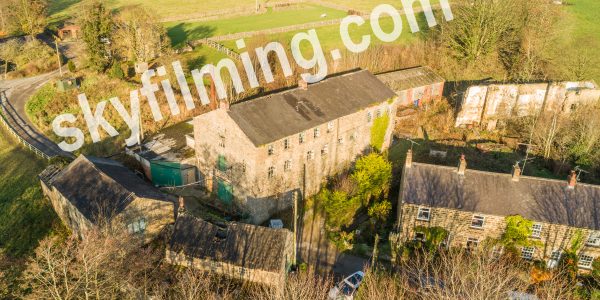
column 310, row 155
column 593, row 239
column 585, row 261
column 325, row 150
column 137, row 226
column 341, row 141
column 527, row 252
column 317, row 132
column 536, row 230
column 554, row 259
column 222, row 142
column 353, row 136
column 329, row 127
column 222, row 163
column 369, row 116
column 378, row 113
column 287, row 165
column 423, row 214
column 472, row 243
column 497, row 250
column 271, row 172
column 477, row 221
column 271, row 149
column 419, row 236
column 286, row 144
column 301, row 137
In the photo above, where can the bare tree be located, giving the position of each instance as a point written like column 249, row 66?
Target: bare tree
column 30, row 15
column 139, row 35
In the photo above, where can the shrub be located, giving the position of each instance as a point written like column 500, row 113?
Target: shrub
column 71, row 66
column 372, row 174
column 116, row 71
column 339, row 208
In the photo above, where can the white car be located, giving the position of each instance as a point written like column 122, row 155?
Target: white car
column 346, row 289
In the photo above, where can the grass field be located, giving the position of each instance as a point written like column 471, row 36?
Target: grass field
column 180, row 32
column 583, row 31
column 368, row 5
column 25, row 215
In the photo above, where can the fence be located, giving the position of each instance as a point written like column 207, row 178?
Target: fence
column 15, row 134
column 218, row 47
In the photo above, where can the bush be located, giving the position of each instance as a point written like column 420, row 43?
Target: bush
column 339, row 208
column 116, row 71
column 372, row 174
column 71, row 66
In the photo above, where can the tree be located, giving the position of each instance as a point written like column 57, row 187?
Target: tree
column 96, row 27
column 339, row 208
column 116, row 71
column 30, row 15
column 139, row 35
column 380, row 211
column 372, row 174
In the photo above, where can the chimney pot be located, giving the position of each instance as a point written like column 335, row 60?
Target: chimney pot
column 408, row 161
column 462, row 166
column 572, row 179
column 516, row 173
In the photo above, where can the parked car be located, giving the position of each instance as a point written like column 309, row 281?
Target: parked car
column 346, row 289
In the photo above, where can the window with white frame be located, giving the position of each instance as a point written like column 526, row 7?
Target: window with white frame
column 287, row 165
column 585, row 261
column 478, row 221
column 527, row 252
column 271, row 172
column 369, row 117
column 271, row 149
column 424, row 213
column 536, row 230
column 329, row 127
column 593, row 239
column 286, row 144
column 378, row 113
column 317, row 132
column 301, row 137
column 472, row 243
column 554, row 259
column 137, row 226
column 310, row 155
column 325, row 150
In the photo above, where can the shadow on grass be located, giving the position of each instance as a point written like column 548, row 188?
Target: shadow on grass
column 181, row 34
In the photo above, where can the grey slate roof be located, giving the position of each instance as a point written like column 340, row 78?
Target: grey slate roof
column 244, row 245
column 538, row 199
column 410, row 78
column 101, row 187
column 273, row 117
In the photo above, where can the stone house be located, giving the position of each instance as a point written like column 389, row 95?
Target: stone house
column 259, row 154
column 415, row 86
column 473, row 206
column 492, row 103
column 236, row 250
column 94, row 192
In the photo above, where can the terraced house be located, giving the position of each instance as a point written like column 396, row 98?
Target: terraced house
column 259, row 153
column 473, row 205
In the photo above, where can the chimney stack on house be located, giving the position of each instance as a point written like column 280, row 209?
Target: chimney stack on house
column 462, row 166
column 516, row 175
column 408, row 161
column 572, row 179
column 302, row 84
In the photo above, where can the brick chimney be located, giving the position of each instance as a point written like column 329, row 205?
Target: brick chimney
column 302, row 84
column 572, row 179
column 462, row 166
column 408, row 161
column 516, row 175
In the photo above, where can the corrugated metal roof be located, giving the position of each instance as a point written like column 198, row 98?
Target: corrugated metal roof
column 410, row 78
column 273, row 117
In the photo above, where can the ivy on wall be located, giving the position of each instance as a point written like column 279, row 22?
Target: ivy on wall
column 380, row 125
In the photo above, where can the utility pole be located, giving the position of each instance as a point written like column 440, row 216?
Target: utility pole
column 58, row 56
column 295, row 228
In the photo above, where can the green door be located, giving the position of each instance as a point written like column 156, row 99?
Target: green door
column 224, row 192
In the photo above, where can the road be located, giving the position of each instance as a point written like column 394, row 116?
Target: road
column 14, row 96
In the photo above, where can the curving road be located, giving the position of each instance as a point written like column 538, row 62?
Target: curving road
column 13, row 97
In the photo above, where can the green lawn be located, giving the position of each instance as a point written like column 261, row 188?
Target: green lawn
column 583, row 31
column 330, row 38
column 25, row 215
column 180, row 32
